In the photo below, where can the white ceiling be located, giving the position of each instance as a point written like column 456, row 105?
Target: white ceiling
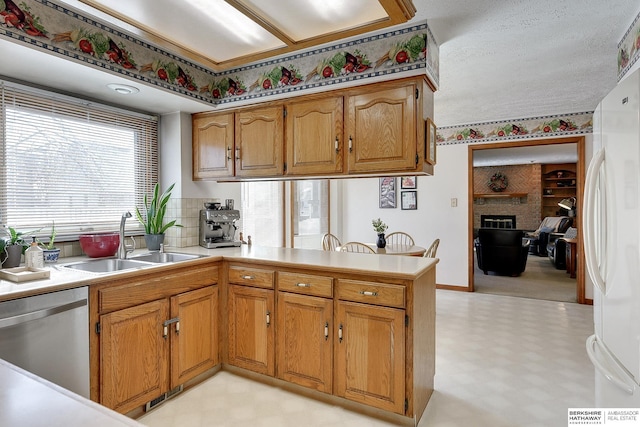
column 499, row 59
column 556, row 153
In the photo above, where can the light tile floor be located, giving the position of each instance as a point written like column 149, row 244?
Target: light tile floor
column 500, row 361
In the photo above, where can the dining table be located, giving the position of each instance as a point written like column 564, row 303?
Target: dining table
column 394, row 249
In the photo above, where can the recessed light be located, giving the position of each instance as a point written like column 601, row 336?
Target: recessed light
column 123, row 89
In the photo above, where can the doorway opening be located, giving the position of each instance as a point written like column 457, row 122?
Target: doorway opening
column 579, row 143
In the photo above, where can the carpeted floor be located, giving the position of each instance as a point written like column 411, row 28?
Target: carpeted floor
column 540, row 280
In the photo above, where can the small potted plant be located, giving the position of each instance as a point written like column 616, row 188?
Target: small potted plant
column 12, row 246
column 153, row 219
column 51, row 253
column 380, row 227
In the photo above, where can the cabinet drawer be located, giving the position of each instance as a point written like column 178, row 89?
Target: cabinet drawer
column 130, row 292
column 251, row 276
column 371, row 293
column 306, row 284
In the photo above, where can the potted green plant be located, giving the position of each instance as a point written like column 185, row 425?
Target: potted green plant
column 153, row 219
column 380, row 227
column 51, row 253
column 12, row 246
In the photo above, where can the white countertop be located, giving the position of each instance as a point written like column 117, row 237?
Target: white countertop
column 28, row 400
column 382, row 265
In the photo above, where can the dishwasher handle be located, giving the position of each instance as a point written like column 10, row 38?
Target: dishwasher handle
column 40, row 314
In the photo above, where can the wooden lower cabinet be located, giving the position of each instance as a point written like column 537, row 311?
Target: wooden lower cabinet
column 370, row 356
column 194, row 340
column 251, row 332
column 305, row 340
column 134, row 355
column 152, row 333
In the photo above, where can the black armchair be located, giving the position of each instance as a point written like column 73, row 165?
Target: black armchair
column 502, row 251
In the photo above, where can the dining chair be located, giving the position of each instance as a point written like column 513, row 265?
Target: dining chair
column 357, row 247
column 399, row 238
column 330, row 242
column 431, row 252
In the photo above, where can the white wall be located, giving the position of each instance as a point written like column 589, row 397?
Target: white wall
column 434, row 218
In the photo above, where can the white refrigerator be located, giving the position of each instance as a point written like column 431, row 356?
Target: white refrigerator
column 611, row 227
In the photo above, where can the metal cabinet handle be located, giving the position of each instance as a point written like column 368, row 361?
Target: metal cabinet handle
column 228, row 153
column 350, row 144
column 165, row 326
column 337, row 145
column 248, row 277
column 326, row 331
column 268, row 319
column 237, row 153
column 369, row 293
column 303, row 285
column 340, row 333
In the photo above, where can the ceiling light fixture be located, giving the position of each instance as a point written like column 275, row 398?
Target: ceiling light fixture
column 123, row 89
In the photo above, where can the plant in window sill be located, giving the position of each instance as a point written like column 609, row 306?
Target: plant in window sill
column 12, row 246
column 51, row 253
column 153, row 220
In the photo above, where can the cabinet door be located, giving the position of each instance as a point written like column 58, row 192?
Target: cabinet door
column 251, row 333
column 314, row 141
column 134, row 355
column 259, row 142
column 212, row 146
column 369, row 356
column 305, row 341
column 381, row 129
column 194, row 337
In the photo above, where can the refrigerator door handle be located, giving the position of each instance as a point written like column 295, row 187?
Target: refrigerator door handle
column 589, row 222
column 592, row 342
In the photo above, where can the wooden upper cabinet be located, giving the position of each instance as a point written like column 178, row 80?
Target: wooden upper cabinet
column 381, row 129
column 259, row 138
column 314, row 138
column 213, row 146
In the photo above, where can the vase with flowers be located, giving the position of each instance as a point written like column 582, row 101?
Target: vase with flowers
column 380, row 227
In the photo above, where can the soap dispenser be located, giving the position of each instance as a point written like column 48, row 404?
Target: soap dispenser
column 34, row 256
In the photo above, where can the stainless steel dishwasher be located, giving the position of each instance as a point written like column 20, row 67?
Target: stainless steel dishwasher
column 48, row 335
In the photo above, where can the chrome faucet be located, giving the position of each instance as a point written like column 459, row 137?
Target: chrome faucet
column 123, row 249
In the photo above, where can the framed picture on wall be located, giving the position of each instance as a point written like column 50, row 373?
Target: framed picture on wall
column 409, row 200
column 430, row 147
column 408, row 182
column 387, row 192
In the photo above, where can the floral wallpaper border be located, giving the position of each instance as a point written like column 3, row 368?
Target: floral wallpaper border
column 526, row 128
column 629, row 48
column 64, row 31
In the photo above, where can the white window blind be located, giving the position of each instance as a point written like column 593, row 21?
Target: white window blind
column 74, row 162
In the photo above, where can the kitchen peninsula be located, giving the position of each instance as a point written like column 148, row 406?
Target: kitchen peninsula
column 356, row 330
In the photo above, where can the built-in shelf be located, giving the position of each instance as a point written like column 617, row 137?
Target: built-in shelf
column 480, row 198
column 499, row 195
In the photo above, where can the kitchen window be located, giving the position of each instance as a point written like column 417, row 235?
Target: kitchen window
column 263, row 212
column 75, row 162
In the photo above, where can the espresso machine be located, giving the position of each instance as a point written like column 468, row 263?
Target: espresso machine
column 217, row 226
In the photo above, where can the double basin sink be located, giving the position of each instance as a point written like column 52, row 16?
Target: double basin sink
column 110, row 265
